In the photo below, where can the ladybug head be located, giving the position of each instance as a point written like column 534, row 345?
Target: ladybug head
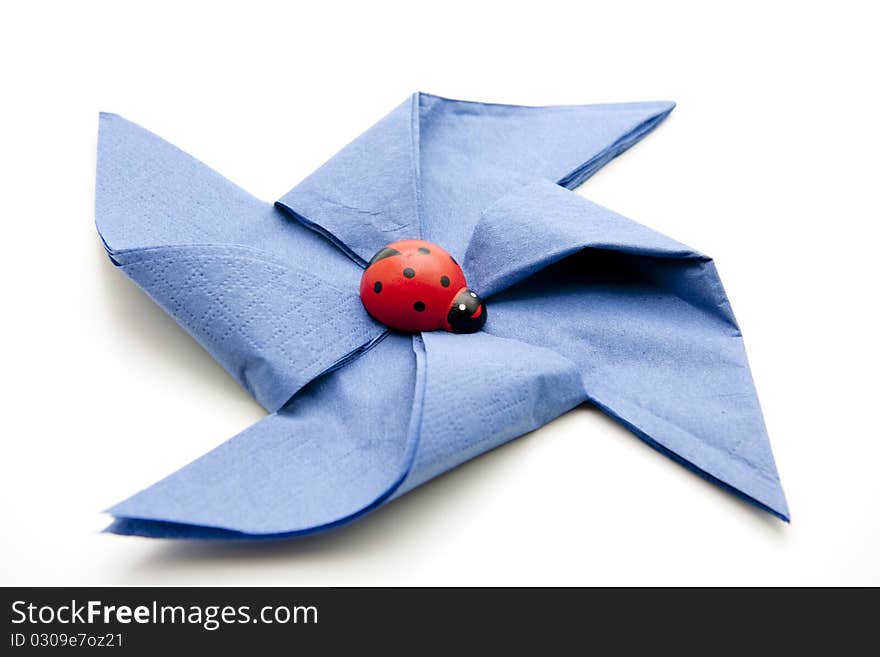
column 467, row 314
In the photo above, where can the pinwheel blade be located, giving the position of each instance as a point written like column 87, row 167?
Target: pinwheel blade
column 473, row 153
column 646, row 321
column 339, row 449
column 427, row 169
column 271, row 301
column 405, row 412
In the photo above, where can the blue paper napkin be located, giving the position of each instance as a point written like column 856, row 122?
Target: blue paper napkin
column 586, row 306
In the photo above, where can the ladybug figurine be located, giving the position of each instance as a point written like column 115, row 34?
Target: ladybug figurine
column 414, row 286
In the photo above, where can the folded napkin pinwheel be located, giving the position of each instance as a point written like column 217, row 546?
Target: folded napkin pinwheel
column 584, row 306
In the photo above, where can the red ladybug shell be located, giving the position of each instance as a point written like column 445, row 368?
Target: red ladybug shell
column 410, row 285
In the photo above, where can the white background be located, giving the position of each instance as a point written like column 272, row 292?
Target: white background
column 769, row 164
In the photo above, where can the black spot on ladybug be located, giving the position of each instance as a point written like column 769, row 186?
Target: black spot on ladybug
column 424, row 250
column 387, row 252
column 419, row 306
column 377, row 287
column 444, row 281
column 409, row 272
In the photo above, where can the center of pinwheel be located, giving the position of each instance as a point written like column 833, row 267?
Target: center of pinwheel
column 414, row 286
